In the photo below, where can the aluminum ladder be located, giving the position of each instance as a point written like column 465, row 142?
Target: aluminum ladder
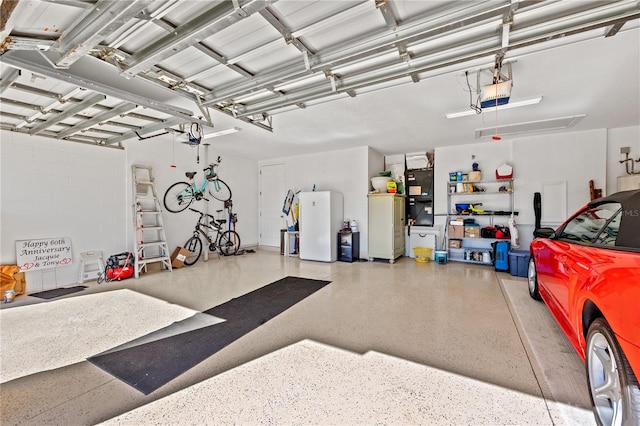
column 150, row 240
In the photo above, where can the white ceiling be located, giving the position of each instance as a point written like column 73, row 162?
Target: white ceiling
column 307, row 76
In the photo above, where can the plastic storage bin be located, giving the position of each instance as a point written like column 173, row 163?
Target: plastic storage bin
column 518, row 263
column 423, row 254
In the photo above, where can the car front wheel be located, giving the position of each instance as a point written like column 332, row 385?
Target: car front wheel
column 532, row 277
column 614, row 390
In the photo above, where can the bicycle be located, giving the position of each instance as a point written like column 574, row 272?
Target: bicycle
column 180, row 195
column 226, row 242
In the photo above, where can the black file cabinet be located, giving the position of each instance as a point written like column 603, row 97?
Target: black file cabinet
column 348, row 246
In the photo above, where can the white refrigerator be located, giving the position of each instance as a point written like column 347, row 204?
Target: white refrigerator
column 321, row 218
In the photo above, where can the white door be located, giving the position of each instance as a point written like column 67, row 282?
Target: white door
column 272, row 194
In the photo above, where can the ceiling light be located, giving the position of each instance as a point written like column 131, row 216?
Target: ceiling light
column 524, row 102
column 531, row 126
column 221, row 132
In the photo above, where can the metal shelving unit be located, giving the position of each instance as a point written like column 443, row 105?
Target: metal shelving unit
column 473, row 249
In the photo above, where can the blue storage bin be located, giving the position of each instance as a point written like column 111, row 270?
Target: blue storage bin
column 519, row 263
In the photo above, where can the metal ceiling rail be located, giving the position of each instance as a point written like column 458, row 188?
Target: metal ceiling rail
column 85, row 124
column 270, row 17
column 102, row 117
column 449, row 38
column 8, row 79
column 152, row 74
column 170, row 28
column 152, row 128
column 19, row 60
column 145, row 22
column 363, row 48
column 79, row 138
column 34, row 90
column 12, row 115
column 50, row 109
column 105, row 17
column 190, row 86
column 387, row 14
column 620, row 11
column 67, row 113
column 204, row 25
column 191, row 91
column 26, row 43
column 338, row 18
column 421, row 64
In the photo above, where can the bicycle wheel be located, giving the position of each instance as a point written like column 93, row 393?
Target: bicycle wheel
column 178, row 197
column 194, row 245
column 229, row 243
column 219, row 190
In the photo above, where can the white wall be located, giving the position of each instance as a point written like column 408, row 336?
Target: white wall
column 616, row 139
column 346, row 171
column 56, row 188
column 575, row 157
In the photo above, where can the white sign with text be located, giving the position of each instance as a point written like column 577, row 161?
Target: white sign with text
column 33, row 255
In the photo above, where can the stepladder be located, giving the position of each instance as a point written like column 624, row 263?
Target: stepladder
column 91, row 266
column 150, row 245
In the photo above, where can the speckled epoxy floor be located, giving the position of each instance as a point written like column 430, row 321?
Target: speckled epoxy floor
column 405, row 343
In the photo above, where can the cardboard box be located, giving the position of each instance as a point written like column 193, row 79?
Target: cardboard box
column 178, row 257
column 455, row 243
column 472, row 232
column 12, row 279
column 456, row 231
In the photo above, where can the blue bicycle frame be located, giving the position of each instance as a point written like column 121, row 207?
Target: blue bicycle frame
column 181, row 194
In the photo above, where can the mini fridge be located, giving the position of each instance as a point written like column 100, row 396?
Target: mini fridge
column 321, row 218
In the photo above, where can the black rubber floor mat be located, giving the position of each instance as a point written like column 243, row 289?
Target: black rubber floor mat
column 151, row 365
column 57, row 292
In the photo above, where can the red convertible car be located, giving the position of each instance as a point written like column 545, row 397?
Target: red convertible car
column 587, row 271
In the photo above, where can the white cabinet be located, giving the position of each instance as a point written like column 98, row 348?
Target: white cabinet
column 386, row 226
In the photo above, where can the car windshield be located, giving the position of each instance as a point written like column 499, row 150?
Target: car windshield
column 586, row 227
column 610, row 232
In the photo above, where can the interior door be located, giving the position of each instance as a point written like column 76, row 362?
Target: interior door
column 271, row 198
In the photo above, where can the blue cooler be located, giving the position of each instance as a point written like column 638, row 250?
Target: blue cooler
column 501, row 255
column 441, row 257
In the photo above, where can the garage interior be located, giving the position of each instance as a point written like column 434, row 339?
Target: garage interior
column 302, row 96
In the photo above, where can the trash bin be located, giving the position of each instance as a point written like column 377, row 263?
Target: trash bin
column 282, row 237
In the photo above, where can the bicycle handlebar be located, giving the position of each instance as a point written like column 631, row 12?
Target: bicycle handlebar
column 201, row 213
column 213, row 165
